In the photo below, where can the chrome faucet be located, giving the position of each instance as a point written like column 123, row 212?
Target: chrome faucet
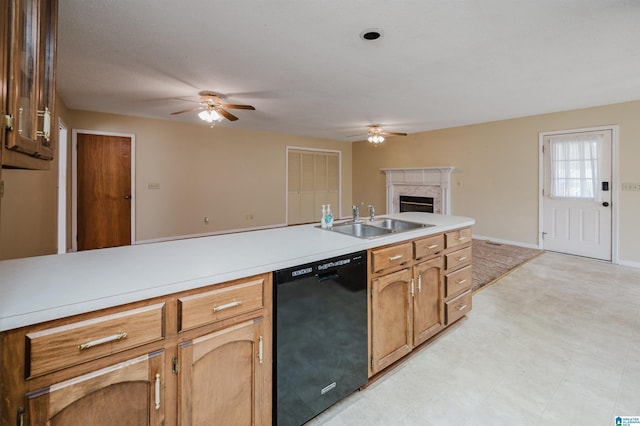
column 372, row 213
column 356, row 213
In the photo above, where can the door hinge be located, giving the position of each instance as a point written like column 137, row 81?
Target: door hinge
column 1, row 188
column 371, row 362
column 8, row 122
column 174, row 365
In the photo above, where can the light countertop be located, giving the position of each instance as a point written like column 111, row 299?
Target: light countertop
column 38, row 289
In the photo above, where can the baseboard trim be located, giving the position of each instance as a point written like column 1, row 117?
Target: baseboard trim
column 513, row 243
column 629, row 263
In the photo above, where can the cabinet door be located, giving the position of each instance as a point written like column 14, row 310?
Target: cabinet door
column 125, row 394
column 391, row 325
column 221, row 377
column 428, row 300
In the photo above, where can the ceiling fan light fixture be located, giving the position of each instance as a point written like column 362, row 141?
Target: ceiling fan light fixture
column 376, row 139
column 209, row 115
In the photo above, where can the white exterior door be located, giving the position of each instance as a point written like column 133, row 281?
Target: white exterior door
column 576, row 209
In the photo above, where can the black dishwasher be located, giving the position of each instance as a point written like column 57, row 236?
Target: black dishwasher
column 320, row 334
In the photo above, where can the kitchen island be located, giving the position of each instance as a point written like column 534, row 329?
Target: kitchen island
column 164, row 291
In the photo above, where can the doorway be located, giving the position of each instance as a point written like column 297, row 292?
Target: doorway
column 103, row 189
column 578, row 196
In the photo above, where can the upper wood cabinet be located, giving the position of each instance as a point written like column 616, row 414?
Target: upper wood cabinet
column 29, row 112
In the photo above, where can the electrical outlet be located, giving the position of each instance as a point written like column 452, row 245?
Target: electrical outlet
column 153, row 186
column 630, row 186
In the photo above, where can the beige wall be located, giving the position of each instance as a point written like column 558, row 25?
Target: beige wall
column 234, row 177
column 496, row 175
column 29, row 209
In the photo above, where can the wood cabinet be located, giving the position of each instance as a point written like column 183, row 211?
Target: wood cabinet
column 428, row 309
column 391, row 314
column 222, row 377
column 417, row 289
column 186, row 358
column 28, row 117
column 129, row 393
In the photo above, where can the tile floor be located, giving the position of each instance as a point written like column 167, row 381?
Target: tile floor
column 556, row 342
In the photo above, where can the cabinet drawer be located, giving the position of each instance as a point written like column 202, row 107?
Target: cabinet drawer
column 60, row 347
column 458, row 307
column 458, row 281
column 388, row 257
column 428, row 246
column 458, row 237
column 458, row 258
column 205, row 308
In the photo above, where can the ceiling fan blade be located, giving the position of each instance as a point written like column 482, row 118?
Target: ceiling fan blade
column 234, row 106
column 227, row 115
column 394, row 134
column 187, row 110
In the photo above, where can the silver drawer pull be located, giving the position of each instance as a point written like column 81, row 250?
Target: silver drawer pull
column 396, row 257
column 461, row 281
column 462, row 238
column 432, row 246
column 460, row 308
column 260, row 349
column 226, row 306
column 102, row 341
column 460, row 259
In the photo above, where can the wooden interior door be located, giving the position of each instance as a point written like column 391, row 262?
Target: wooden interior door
column 104, row 191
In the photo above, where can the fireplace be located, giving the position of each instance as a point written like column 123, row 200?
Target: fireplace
column 416, row 204
column 425, row 182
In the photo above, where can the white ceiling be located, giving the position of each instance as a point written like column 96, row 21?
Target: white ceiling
column 302, row 64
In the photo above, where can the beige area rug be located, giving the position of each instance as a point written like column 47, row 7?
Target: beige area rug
column 491, row 260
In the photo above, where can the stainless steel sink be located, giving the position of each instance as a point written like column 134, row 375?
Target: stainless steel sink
column 360, row 230
column 398, row 225
column 376, row 228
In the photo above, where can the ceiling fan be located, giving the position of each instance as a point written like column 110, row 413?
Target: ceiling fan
column 213, row 109
column 377, row 134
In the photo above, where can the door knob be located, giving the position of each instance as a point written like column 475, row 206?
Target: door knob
column 605, row 204
column 127, row 197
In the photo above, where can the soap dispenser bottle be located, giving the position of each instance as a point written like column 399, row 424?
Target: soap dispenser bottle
column 328, row 218
column 323, row 223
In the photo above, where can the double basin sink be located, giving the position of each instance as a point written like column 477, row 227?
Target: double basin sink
column 376, row 228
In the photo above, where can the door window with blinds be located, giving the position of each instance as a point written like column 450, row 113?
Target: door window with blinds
column 313, row 179
column 574, row 165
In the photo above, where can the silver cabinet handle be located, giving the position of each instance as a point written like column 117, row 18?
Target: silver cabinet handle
column 419, row 283
column 102, row 341
column 157, row 395
column 460, row 259
column 462, row 307
column 396, row 257
column 432, row 246
column 226, row 306
column 260, row 349
column 46, row 124
column 461, row 281
column 462, row 238
column 412, row 286
column 20, row 111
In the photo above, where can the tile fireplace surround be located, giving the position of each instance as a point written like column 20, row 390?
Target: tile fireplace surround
column 432, row 182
